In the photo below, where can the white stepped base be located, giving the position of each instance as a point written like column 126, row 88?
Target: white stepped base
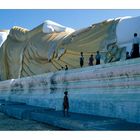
column 111, row 90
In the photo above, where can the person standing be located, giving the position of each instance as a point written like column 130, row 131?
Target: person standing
column 91, row 59
column 81, row 60
column 66, row 67
column 135, row 47
column 98, row 57
column 66, row 104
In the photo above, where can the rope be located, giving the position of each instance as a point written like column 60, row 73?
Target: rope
column 58, row 63
column 85, row 54
column 54, row 65
column 67, row 63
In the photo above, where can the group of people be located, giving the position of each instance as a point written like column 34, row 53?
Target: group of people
column 91, row 59
column 134, row 54
column 135, row 48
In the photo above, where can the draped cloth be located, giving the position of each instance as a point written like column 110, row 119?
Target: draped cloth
column 27, row 53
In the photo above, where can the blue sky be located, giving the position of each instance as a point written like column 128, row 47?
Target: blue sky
column 72, row 18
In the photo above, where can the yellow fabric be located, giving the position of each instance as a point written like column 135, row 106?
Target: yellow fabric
column 27, row 53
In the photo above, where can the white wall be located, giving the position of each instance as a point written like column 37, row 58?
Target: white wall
column 108, row 90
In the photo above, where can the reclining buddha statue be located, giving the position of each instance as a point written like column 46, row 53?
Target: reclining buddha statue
column 51, row 46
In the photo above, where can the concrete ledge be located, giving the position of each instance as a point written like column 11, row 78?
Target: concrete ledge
column 75, row 121
column 111, row 90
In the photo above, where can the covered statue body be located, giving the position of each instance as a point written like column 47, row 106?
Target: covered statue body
column 51, row 46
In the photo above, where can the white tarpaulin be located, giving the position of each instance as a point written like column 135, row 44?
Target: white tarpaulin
column 3, row 36
column 50, row 27
column 125, row 30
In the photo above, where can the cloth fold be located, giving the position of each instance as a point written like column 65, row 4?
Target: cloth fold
column 27, row 53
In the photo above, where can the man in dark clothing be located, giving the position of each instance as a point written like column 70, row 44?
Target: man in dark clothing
column 91, row 59
column 135, row 49
column 65, row 103
column 66, row 67
column 98, row 57
column 81, row 60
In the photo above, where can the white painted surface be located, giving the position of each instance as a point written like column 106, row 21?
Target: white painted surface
column 111, row 90
column 3, row 37
column 50, row 27
column 125, row 30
